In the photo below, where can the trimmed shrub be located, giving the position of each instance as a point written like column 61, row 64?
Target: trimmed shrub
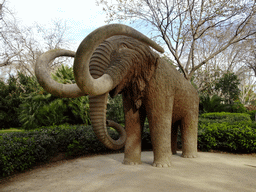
column 21, row 150
column 232, row 132
column 226, row 117
column 239, row 138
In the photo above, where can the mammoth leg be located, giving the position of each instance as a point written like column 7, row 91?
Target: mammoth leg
column 160, row 122
column 134, row 122
column 189, row 134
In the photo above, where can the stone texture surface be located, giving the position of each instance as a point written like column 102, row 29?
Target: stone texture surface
column 208, row 172
column 117, row 59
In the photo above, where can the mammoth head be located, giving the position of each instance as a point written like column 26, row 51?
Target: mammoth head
column 105, row 83
column 131, row 66
column 109, row 59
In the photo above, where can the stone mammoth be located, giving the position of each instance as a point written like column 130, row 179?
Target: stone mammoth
column 117, row 59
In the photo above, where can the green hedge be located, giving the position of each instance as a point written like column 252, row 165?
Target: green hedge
column 226, row 117
column 231, row 132
column 238, row 138
column 22, row 150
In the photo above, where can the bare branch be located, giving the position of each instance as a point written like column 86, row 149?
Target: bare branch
column 184, row 25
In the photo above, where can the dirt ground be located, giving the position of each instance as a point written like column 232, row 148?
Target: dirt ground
column 208, row 172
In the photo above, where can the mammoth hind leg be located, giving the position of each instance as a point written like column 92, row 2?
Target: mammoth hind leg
column 189, row 135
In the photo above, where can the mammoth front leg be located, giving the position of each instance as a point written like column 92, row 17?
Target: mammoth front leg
column 134, row 122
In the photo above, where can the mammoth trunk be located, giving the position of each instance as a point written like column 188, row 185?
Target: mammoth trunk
column 98, row 104
column 98, row 119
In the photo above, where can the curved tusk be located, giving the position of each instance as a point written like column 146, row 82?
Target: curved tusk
column 104, row 84
column 44, row 77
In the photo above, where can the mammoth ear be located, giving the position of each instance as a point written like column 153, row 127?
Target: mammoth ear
column 149, row 69
column 140, row 82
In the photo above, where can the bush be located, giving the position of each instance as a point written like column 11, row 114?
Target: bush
column 41, row 110
column 237, row 107
column 115, row 110
column 226, row 117
column 24, row 103
column 216, row 104
column 21, row 150
column 237, row 138
column 211, row 104
column 9, row 103
column 232, row 132
column 252, row 114
column 11, row 96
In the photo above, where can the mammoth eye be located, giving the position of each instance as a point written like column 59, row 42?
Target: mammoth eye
column 123, row 46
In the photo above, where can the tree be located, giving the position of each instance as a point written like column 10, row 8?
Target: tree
column 185, row 26
column 227, row 85
column 11, row 97
column 21, row 45
column 247, row 89
column 250, row 57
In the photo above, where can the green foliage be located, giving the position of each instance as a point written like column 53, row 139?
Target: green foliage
column 211, row 104
column 9, row 100
column 232, row 132
column 11, row 130
column 11, row 97
column 238, row 138
column 146, row 138
column 228, row 86
column 39, row 108
column 22, row 150
column 237, row 107
column 227, row 98
column 64, row 74
column 252, row 114
column 115, row 110
column 79, row 108
column 16, row 154
column 19, row 151
column 216, row 104
column 45, row 110
column 24, row 103
column 226, row 117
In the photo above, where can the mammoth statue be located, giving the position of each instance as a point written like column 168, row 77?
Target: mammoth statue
column 117, row 59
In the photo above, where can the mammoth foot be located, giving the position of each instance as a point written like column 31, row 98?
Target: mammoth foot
column 164, row 163
column 130, row 162
column 189, row 155
column 161, row 165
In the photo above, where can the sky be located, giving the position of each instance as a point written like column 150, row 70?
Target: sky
column 82, row 16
